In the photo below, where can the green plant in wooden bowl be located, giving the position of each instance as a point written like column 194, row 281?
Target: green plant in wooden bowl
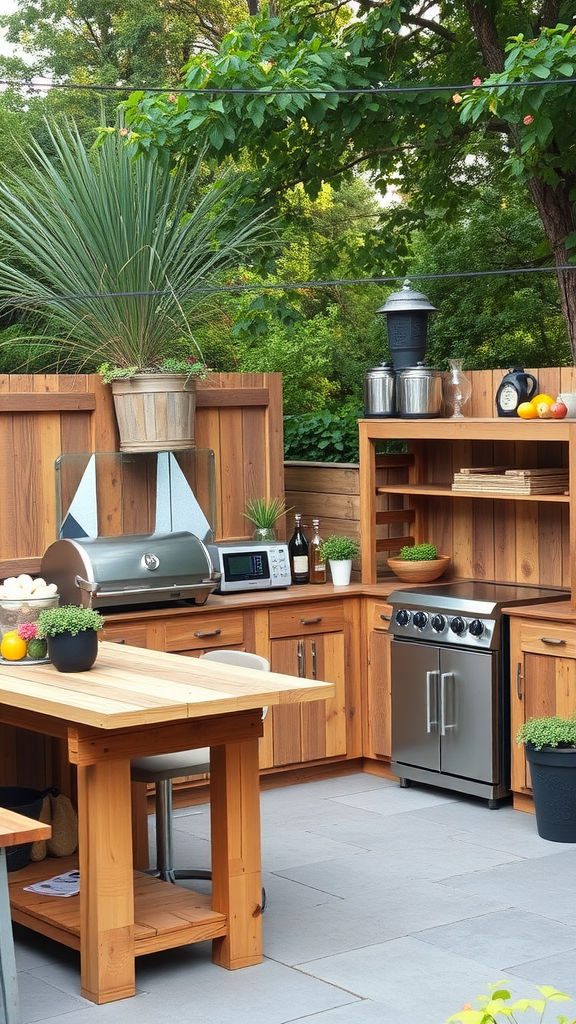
column 264, row 513
column 72, row 634
column 419, row 563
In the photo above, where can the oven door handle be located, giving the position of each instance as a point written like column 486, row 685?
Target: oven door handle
column 431, row 681
column 445, row 676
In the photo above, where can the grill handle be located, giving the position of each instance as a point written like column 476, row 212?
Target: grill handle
column 89, row 585
column 443, row 686
column 431, row 680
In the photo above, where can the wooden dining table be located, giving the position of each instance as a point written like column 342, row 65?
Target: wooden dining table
column 132, row 703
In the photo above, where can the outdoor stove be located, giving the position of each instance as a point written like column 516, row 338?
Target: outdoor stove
column 450, row 684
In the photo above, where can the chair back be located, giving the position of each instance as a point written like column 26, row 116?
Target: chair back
column 243, row 659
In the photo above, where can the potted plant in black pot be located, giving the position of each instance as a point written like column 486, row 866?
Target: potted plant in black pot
column 551, row 753
column 72, row 635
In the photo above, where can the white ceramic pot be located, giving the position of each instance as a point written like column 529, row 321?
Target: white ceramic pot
column 341, row 572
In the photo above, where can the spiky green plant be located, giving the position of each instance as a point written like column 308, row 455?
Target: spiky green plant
column 114, row 251
column 264, row 513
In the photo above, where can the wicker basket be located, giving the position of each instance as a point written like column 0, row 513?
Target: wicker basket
column 419, row 572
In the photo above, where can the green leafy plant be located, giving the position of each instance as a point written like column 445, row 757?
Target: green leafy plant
column 339, row 549
column 498, row 1006
column 551, row 731
column 109, row 256
column 264, row 513
column 191, row 367
column 418, row 553
column 68, row 618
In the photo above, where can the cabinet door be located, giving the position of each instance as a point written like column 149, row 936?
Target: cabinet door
column 415, row 687
column 468, row 695
column 378, row 730
column 312, row 729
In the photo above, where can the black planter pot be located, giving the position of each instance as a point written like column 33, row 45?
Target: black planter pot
column 73, row 653
column 553, row 774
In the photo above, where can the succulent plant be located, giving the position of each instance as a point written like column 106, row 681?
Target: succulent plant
column 418, row 553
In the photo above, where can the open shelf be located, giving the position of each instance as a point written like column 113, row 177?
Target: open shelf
column 445, row 491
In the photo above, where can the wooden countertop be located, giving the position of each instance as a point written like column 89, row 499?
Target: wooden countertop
column 556, row 611
column 130, row 686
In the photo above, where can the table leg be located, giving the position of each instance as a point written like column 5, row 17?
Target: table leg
column 106, row 882
column 236, row 859
column 9, row 1003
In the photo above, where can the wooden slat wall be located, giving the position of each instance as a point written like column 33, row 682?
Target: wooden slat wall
column 42, row 416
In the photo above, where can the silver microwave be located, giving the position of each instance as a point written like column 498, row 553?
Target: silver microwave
column 250, row 565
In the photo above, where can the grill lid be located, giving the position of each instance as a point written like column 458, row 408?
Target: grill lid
column 109, row 571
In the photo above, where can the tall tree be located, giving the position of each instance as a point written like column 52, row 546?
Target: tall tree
column 300, row 124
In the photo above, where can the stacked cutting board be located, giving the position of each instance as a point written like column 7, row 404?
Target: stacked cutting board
column 502, row 480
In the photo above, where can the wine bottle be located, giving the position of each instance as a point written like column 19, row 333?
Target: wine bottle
column 298, row 553
column 317, row 563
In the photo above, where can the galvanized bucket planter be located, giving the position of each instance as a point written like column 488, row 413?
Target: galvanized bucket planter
column 156, row 412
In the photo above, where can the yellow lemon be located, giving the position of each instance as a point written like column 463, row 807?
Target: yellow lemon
column 541, row 400
column 527, row 411
column 13, row 648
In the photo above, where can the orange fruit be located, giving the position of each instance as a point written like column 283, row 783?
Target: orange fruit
column 527, row 411
column 541, row 399
column 13, row 647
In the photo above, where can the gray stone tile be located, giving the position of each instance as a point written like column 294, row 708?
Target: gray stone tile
column 391, row 799
column 504, row 939
column 558, row 970
column 41, row 1000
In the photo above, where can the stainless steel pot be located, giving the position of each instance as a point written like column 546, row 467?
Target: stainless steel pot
column 419, row 392
column 380, row 391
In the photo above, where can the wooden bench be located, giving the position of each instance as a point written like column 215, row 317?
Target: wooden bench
column 14, row 829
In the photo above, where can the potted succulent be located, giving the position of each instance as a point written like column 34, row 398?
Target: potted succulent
column 72, row 635
column 109, row 255
column 339, row 552
column 550, row 744
column 419, row 563
column 264, row 515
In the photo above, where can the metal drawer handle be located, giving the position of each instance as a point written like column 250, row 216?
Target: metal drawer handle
column 387, row 618
column 552, row 640
column 212, row 632
column 310, row 622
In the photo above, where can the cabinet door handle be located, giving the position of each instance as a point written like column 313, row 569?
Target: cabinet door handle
column 208, row 632
column 552, row 640
column 431, row 679
column 310, row 622
column 443, row 681
column 301, row 659
column 387, row 618
column 519, row 680
column 313, row 646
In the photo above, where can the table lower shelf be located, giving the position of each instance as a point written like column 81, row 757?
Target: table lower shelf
column 165, row 915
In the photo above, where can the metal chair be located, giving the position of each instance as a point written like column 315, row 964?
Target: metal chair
column 162, row 768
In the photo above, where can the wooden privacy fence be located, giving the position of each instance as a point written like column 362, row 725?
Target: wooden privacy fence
column 239, row 417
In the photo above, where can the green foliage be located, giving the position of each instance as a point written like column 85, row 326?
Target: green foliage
column 264, row 513
column 322, row 437
column 68, row 618
column 339, row 549
column 548, row 732
column 192, row 367
column 112, row 253
column 498, row 1006
column 418, row 553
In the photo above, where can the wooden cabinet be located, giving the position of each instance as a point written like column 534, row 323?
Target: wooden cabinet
column 378, row 708
column 190, row 633
column 316, row 640
column 543, row 681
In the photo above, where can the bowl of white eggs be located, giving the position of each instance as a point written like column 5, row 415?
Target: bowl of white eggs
column 22, row 598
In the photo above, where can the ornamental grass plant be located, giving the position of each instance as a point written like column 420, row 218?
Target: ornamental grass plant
column 108, row 254
column 264, row 513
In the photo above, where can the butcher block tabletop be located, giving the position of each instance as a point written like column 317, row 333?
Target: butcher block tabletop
column 129, row 686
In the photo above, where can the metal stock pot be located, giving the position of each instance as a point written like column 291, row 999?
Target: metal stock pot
column 419, row 392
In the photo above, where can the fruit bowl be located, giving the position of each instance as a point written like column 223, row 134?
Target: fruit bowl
column 419, row 572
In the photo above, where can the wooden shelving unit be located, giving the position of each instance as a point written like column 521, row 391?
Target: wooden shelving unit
column 489, row 535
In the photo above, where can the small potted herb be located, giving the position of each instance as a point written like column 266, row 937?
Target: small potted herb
column 339, row 553
column 419, row 563
column 264, row 514
column 551, row 753
column 72, row 635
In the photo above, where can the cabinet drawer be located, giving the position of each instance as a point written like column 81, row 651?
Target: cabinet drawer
column 380, row 617
column 131, row 633
column 221, row 629
column 545, row 638
column 316, row 617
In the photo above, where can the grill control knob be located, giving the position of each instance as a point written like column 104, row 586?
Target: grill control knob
column 402, row 617
column 476, row 627
column 458, row 625
column 438, row 623
column 420, row 619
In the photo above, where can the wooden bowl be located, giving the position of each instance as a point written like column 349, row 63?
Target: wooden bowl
column 419, row 572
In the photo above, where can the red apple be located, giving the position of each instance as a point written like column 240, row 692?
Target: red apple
column 558, row 410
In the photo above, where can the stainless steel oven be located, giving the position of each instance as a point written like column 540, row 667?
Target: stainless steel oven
column 450, row 684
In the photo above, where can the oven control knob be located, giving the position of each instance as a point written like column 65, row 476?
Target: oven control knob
column 458, row 625
column 476, row 627
column 402, row 617
column 420, row 619
column 438, row 623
